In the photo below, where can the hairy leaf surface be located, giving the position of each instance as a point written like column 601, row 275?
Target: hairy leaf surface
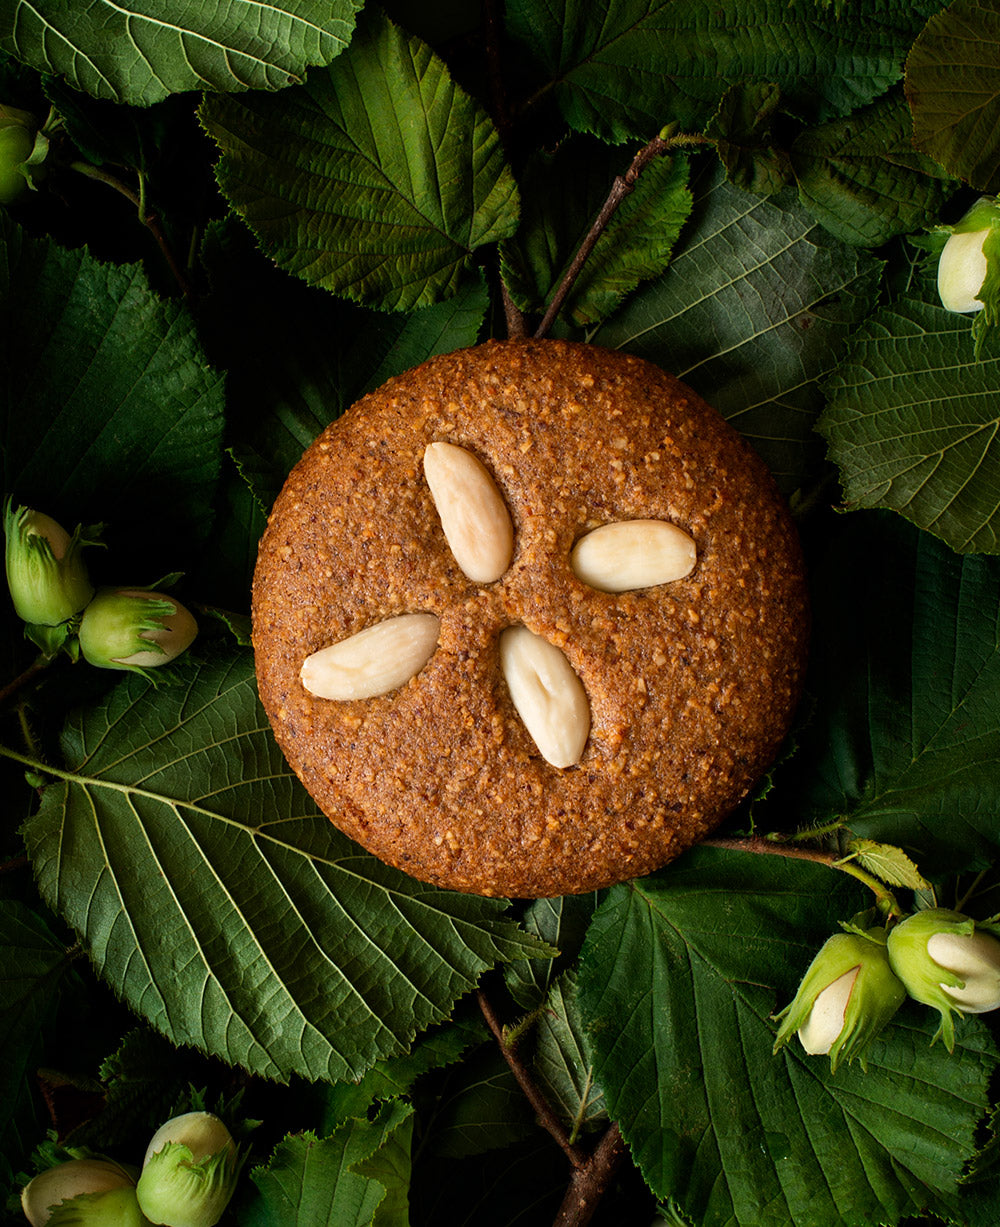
column 224, row 909
column 377, row 179
column 110, row 409
column 861, row 177
column 913, row 423
column 751, row 313
column 681, row 973
column 312, row 1182
column 626, row 67
column 906, row 678
column 954, row 93
column 140, row 52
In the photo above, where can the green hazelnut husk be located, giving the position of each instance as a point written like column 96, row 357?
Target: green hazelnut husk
column 46, row 574
column 135, row 629
column 946, row 961
column 848, row 994
column 190, row 1172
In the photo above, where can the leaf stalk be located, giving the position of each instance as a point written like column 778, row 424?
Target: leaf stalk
column 885, row 900
column 148, row 219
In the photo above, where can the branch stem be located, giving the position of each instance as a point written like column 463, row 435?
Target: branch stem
column 542, row 1108
column 148, row 219
column 37, row 666
column 588, row 1183
column 884, row 898
column 622, row 187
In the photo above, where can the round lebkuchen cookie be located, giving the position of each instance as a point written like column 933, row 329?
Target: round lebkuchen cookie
column 529, row 619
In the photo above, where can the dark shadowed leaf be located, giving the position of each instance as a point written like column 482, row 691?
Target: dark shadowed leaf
column 954, row 91
column 298, row 357
column 862, row 178
column 482, row 1108
column 389, row 1079
column 752, row 312
column 741, row 132
column 626, row 68
column 33, row 965
column 905, row 737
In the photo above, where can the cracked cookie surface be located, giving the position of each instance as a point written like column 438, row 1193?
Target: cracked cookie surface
column 691, row 684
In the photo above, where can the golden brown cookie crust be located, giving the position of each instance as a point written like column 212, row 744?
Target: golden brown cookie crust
column 692, row 684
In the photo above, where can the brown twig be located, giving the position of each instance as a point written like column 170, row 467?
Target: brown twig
column 593, row 1170
column 16, row 862
column 148, row 219
column 542, row 1108
column 768, row 847
column 588, row 1183
column 38, row 665
column 884, row 897
column 516, row 328
column 622, row 187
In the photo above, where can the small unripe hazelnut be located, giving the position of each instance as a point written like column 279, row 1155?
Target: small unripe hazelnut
column 132, row 628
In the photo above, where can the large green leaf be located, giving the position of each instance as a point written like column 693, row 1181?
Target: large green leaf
column 110, row 409
column 311, row 1182
column 913, row 420
column 626, row 67
column 751, row 313
column 141, row 53
column 223, row 908
column 862, row 178
column 952, row 85
column 680, row 975
column 905, row 736
column 563, row 192
column 377, row 179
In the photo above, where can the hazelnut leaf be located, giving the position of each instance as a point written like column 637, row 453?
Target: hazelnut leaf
column 621, row 70
column 912, row 422
column 236, row 924
column 141, row 54
column 679, row 975
column 379, row 194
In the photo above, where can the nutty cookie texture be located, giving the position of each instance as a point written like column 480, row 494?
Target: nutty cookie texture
column 529, row 619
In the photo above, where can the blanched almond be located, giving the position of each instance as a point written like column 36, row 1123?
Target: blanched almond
column 473, row 514
column 633, row 554
column 548, row 695
column 374, row 661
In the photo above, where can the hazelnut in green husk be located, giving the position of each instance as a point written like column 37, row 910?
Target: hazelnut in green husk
column 46, row 573
column 848, row 994
column 135, row 629
column 947, row 961
column 190, row 1171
